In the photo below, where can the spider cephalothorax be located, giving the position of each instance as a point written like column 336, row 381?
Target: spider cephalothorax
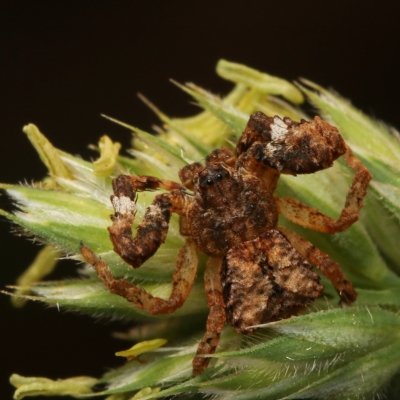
column 257, row 272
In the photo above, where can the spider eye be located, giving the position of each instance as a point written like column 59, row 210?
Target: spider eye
column 209, row 181
column 219, row 176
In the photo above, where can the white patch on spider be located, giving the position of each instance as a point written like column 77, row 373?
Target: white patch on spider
column 123, row 204
column 152, row 210
column 272, row 148
column 278, row 130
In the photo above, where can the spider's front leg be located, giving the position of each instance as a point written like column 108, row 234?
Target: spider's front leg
column 152, row 231
column 309, row 217
column 270, row 146
column 251, row 161
column 291, row 147
column 216, row 317
column 151, row 234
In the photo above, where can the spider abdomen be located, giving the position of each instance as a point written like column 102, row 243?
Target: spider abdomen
column 266, row 280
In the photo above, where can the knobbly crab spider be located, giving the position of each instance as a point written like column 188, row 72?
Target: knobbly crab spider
column 257, row 271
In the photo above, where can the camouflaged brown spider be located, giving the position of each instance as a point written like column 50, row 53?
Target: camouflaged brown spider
column 257, row 272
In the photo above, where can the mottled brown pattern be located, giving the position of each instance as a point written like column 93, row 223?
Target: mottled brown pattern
column 265, row 280
column 257, row 272
column 306, row 147
column 229, row 208
column 328, row 267
column 216, row 317
column 184, row 275
column 309, row 217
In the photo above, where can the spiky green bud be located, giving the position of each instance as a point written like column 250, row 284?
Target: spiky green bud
column 330, row 352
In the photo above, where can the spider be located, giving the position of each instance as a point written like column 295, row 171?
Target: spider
column 257, row 272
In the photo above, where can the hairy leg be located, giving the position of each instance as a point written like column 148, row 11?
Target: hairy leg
column 309, row 217
column 328, row 267
column 183, row 278
column 216, row 316
column 125, row 185
column 292, row 147
column 152, row 231
column 251, row 161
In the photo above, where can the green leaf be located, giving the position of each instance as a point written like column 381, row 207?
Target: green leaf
column 42, row 266
column 364, row 134
column 89, row 296
column 60, row 218
column 47, row 152
column 172, row 156
column 231, row 116
column 260, row 81
column 75, row 387
column 178, row 135
column 326, row 354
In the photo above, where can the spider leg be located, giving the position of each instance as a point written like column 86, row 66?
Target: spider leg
column 125, row 185
column 309, row 217
column 251, row 161
column 328, row 267
column 152, row 231
column 216, row 316
column 291, row 147
column 183, row 278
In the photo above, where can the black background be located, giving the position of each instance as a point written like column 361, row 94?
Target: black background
column 65, row 62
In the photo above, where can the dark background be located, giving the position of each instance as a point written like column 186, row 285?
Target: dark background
column 64, row 63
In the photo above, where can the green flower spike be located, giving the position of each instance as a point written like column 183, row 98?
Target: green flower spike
column 329, row 352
